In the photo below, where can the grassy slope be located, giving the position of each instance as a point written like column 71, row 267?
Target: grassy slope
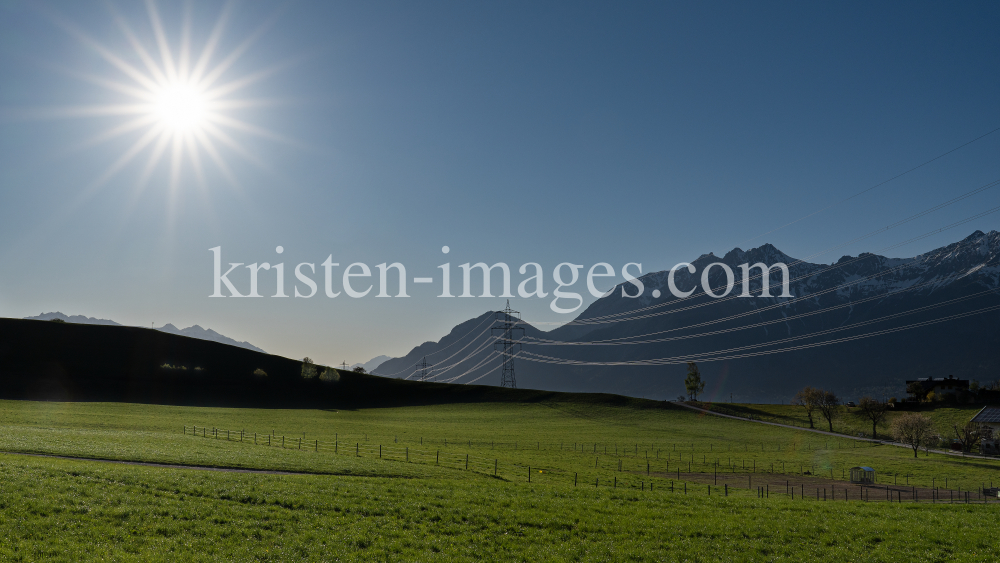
column 558, row 439
column 122, row 513
column 850, row 421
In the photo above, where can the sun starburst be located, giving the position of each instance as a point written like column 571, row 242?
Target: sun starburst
column 172, row 100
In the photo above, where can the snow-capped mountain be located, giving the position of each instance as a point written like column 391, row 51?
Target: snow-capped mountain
column 862, row 325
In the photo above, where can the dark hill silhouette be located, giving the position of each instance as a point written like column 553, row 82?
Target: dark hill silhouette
column 44, row 360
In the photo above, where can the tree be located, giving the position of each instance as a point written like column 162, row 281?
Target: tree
column 916, row 390
column 693, row 382
column 260, row 373
column 808, row 398
column 912, row 429
column 828, row 405
column 359, row 369
column 330, row 375
column 308, row 368
column 874, row 410
column 968, row 435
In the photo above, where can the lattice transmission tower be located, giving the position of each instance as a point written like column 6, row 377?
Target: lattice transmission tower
column 422, row 366
column 508, row 320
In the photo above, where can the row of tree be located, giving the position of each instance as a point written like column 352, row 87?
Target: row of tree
column 828, row 404
column 311, row 370
column 913, row 429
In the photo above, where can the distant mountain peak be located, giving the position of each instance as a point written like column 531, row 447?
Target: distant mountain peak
column 196, row 331
column 192, row 331
column 77, row 319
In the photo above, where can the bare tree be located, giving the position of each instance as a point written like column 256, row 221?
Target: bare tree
column 693, row 382
column 874, row 410
column 912, row 429
column 968, row 435
column 809, row 399
column 829, row 406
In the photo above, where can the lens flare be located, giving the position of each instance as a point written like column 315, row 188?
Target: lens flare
column 178, row 103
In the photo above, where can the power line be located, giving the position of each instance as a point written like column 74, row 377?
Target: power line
column 622, row 341
column 740, row 352
column 626, row 314
column 633, row 314
column 880, row 184
column 457, row 340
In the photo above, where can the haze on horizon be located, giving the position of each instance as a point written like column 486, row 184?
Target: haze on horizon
column 514, row 132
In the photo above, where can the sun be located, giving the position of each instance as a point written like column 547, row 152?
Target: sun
column 180, row 108
column 170, row 99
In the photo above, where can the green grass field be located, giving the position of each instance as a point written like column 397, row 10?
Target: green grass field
column 363, row 508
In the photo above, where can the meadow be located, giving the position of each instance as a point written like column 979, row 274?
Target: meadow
column 591, row 495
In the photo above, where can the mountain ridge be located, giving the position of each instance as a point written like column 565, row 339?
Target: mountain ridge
column 847, row 299
column 194, row 331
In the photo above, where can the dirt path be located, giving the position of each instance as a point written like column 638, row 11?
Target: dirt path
column 167, row 465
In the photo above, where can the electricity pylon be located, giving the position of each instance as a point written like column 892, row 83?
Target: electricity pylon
column 508, row 320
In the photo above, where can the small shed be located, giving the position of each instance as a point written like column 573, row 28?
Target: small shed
column 863, row 475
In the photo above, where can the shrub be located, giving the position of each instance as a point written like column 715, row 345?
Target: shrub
column 260, row 373
column 308, row 368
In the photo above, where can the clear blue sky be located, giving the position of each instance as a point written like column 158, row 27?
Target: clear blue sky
column 515, row 132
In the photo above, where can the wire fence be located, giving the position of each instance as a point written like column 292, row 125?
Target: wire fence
column 655, row 468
